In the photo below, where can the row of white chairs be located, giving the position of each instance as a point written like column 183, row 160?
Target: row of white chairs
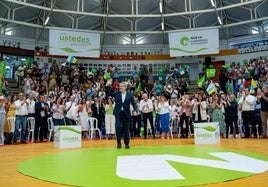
column 174, row 123
column 31, row 127
column 92, row 128
column 241, row 131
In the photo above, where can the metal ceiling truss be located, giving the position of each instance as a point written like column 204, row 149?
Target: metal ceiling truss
column 46, row 17
column 134, row 17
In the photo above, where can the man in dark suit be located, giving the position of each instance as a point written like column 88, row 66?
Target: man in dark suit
column 41, row 115
column 123, row 118
column 98, row 111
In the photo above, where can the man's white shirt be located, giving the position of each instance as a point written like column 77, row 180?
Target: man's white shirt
column 146, row 106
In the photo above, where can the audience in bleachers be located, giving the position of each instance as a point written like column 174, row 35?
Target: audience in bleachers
column 70, row 94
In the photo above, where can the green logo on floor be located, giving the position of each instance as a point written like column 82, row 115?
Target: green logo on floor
column 145, row 166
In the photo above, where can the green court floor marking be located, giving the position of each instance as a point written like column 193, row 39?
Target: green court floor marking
column 98, row 167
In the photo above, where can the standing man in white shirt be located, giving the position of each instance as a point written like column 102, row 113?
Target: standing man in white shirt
column 246, row 102
column 69, row 107
column 21, row 113
column 147, row 107
column 31, row 108
column 74, row 114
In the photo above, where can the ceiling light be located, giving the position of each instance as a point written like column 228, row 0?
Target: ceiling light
column 162, row 26
column 160, row 6
column 47, row 20
column 9, row 33
column 212, row 3
column 219, row 19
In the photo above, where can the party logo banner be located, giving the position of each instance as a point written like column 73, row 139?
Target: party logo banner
column 198, row 42
column 67, row 136
column 207, row 133
column 73, row 43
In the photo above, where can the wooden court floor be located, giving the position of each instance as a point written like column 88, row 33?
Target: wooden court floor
column 12, row 155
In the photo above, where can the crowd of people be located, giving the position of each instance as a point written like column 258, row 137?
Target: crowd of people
column 70, row 94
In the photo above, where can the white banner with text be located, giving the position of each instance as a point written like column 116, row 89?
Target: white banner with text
column 74, row 43
column 197, row 42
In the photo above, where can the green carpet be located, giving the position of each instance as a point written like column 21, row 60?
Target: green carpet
column 144, row 166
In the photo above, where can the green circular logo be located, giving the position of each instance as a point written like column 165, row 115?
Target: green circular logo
column 167, row 166
column 184, row 41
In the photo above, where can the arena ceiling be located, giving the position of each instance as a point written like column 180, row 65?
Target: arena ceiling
column 132, row 21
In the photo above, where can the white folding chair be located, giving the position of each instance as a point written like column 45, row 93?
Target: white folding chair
column 156, row 128
column 237, row 134
column 11, row 126
column 208, row 118
column 50, row 128
column 190, row 124
column 149, row 128
column 172, row 125
column 179, row 130
column 31, row 126
column 257, row 129
column 93, row 127
column 240, row 126
column 184, row 125
column 251, row 130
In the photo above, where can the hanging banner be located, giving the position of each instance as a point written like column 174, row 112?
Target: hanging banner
column 73, row 43
column 197, row 42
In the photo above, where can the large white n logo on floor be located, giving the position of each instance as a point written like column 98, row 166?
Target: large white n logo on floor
column 156, row 167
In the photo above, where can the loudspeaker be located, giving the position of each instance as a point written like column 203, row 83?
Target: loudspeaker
column 208, row 61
